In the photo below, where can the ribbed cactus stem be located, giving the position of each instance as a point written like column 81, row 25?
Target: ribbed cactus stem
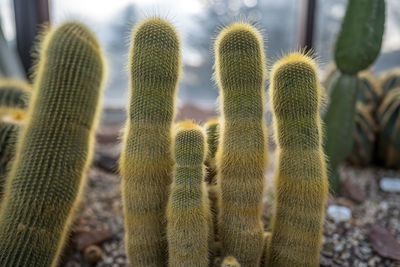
column 212, row 133
column 146, row 162
column 188, row 211
column 54, row 148
column 241, row 156
column 8, row 140
column 301, row 184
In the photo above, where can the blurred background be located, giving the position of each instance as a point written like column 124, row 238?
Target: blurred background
column 287, row 25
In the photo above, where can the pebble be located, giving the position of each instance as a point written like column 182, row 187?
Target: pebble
column 339, row 213
column 390, row 184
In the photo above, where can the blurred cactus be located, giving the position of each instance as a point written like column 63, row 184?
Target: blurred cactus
column 8, row 141
column 188, row 213
column 54, row 148
column 242, row 154
column 364, row 136
column 389, row 80
column 14, row 97
column 388, row 116
column 360, row 36
column 146, row 161
column 370, row 90
column 357, row 47
column 301, row 180
column 212, row 132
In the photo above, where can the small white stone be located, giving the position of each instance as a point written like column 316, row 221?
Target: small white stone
column 339, row 213
column 390, row 184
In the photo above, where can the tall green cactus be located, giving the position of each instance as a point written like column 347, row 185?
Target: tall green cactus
column 188, row 212
column 146, row 162
column 14, row 96
column 53, row 151
column 241, row 157
column 360, row 36
column 301, row 180
column 340, row 124
column 357, row 47
column 8, row 139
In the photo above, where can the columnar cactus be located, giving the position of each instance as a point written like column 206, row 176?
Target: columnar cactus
column 146, row 162
column 54, row 148
column 301, row 180
column 8, row 139
column 214, row 194
column 188, row 211
column 360, row 37
column 356, row 48
column 388, row 116
column 14, row 96
column 241, row 156
column 212, row 132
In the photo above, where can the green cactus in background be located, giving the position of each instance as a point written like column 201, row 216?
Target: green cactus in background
column 360, row 37
column 146, row 161
column 301, row 179
column 356, row 49
column 230, row 261
column 14, row 97
column 8, row 140
column 340, row 125
column 389, row 80
column 242, row 154
column 188, row 212
column 364, row 136
column 388, row 116
column 54, row 148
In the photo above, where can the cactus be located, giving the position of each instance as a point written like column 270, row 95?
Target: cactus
column 301, row 183
column 53, row 151
column 389, row 80
column 8, row 140
column 364, row 136
column 388, row 116
column 212, row 131
column 14, row 97
column 340, row 125
column 146, row 161
column 370, row 90
column 360, row 37
column 241, row 156
column 230, row 261
column 188, row 211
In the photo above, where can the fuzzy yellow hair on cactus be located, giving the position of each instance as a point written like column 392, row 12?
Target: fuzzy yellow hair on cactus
column 53, row 150
column 241, row 156
column 230, row 261
column 301, row 183
column 146, row 161
column 188, row 212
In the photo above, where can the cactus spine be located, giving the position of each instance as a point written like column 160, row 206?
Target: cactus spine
column 54, row 148
column 146, row 162
column 188, row 211
column 241, row 157
column 301, row 181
